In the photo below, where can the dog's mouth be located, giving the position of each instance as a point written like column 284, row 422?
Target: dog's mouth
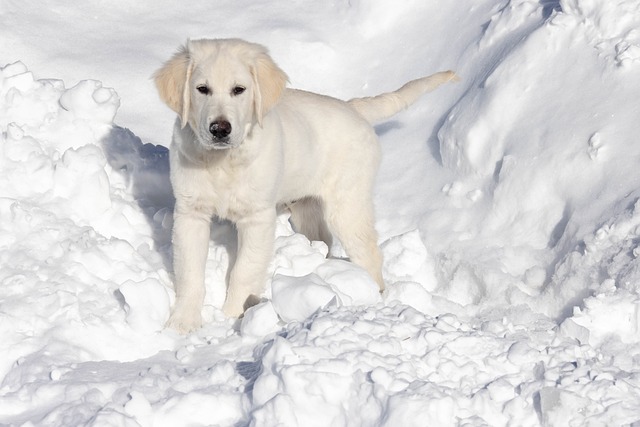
column 220, row 143
column 217, row 143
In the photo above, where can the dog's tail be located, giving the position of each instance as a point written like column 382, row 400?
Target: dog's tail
column 378, row 108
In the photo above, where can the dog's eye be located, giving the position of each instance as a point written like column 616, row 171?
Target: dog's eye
column 238, row 90
column 203, row 89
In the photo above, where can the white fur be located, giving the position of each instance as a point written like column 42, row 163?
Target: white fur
column 315, row 154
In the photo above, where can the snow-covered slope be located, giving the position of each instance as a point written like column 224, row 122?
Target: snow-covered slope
column 508, row 209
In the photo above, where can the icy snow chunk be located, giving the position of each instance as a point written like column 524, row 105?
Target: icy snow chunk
column 259, row 320
column 351, row 284
column 16, row 76
column 296, row 298
column 13, row 70
column 88, row 100
column 569, row 328
column 607, row 316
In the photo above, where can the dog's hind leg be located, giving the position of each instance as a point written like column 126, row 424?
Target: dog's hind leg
column 351, row 219
column 307, row 217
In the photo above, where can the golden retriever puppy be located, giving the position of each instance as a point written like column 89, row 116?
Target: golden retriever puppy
column 243, row 145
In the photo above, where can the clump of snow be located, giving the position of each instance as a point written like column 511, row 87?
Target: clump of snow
column 307, row 295
column 260, row 320
column 507, row 204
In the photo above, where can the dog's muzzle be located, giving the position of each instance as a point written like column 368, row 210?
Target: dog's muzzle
column 220, row 130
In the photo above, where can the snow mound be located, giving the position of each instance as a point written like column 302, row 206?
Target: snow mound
column 330, row 370
column 63, row 218
column 612, row 27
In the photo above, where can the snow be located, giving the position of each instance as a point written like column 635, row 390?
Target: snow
column 508, row 207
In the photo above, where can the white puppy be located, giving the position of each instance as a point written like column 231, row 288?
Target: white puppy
column 243, row 145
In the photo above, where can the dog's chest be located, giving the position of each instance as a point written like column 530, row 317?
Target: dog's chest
column 229, row 195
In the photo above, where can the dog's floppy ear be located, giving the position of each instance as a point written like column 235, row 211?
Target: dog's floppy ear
column 269, row 81
column 172, row 81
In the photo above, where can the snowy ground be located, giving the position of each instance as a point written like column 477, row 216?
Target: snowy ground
column 508, row 209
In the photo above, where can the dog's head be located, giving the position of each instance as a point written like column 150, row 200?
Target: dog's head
column 220, row 88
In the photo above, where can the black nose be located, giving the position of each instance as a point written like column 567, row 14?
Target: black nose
column 220, row 129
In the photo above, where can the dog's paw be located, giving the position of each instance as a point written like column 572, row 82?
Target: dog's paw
column 184, row 321
column 231, row 309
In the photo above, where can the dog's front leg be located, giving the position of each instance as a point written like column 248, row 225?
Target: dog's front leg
column 190, row 248
column 256, row 235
